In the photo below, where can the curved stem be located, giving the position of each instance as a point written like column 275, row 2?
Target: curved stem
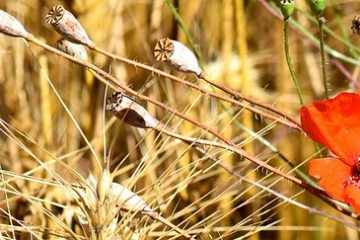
column 289, row 62
column 229, row 145
column 194, row 142
column 286, row 122
column 240, row 96
column 114, row 83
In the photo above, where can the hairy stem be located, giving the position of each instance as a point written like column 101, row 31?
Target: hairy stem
column 292, row 124
column 289, row 62
column 321, row 22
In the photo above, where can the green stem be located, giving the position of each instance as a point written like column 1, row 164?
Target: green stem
column 289, row 62
column 321, row 21
column 186, row 31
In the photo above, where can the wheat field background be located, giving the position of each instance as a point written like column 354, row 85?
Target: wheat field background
column 239, row 44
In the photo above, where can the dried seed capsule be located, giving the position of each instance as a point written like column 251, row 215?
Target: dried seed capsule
column 125, row 108
column 11, row 26
column 177, row 54
column 287, row 8
column 76, row 50
column 317, row 6
column 67, row 25
column 355, row 25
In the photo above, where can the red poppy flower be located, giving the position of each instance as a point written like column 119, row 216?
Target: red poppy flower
column 335, row 123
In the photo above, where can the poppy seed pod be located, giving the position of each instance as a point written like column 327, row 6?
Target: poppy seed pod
column 287, row 8
column 123, row 107
column 177, row 54
column 67, row 25
column 355, row 25
column 317, row 6
column 76, row 50
column 11, row 26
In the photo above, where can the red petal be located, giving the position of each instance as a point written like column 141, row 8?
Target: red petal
column 353, row 197
column 332, row 173
column 335, row 123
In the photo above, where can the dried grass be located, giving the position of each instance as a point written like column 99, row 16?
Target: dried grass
column 45, row 159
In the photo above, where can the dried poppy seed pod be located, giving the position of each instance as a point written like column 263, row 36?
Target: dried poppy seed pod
column 287, row 8
column 67, row 25
column 355, row 24
column 177, row 54
column 76, row 50
column 132, row 113
column 11, row 26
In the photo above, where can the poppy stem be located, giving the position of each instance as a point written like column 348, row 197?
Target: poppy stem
column 321, row 21
column 289, row 62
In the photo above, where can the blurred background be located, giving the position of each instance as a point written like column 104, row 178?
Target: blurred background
column 239, row 44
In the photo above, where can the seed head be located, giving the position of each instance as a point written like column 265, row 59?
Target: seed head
column 11, row 26
column 355, row 26
column 128, row 199
column 287, row 8
column 125, row 108
column 177, row 54
column 67, row 25
column 101, row 203
column 104, row 185
column 76, row 50
column 317, row 6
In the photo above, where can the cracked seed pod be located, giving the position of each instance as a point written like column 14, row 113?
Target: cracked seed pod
column 177, row 54
column 11, row 26
column 123, row 107
column 355, row 25
column 76, row 50
column 67, row 25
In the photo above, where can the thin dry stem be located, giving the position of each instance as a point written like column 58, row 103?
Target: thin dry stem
column 159, row 218
column 114, row 83
column 250, row 100
column 291, row 124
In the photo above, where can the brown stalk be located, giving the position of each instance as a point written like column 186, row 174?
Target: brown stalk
column 132, row 113
column 114, row 83
column 193, row 141
column 231, row 146
column 317, row 192
column 240, row 96
column 288, row 122
column 107, row 78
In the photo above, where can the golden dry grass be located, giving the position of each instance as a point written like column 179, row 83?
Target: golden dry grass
column 44, row 156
